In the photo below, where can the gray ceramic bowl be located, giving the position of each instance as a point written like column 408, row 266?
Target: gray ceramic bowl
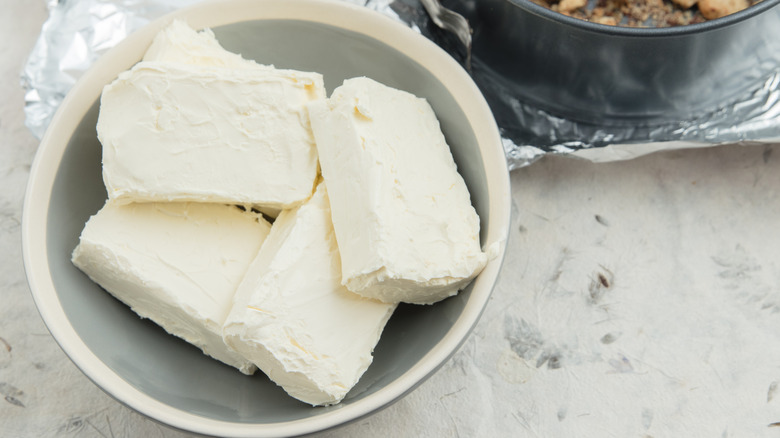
column 163, row 377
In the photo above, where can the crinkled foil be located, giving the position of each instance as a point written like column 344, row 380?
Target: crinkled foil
column 79, row 31
column 528, row 132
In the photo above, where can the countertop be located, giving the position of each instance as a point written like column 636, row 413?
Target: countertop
column 638, row 299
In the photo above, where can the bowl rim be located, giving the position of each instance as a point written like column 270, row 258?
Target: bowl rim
column 645, row 32
column 213, row 13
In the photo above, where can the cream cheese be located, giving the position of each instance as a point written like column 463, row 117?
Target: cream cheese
column 178, row 264
column 208, row 127
column 292, row 317
column 402, row 214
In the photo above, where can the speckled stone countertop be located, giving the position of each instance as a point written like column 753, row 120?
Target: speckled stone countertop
column 638, row 299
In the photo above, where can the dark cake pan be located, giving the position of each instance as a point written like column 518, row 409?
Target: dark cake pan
column 609, row 75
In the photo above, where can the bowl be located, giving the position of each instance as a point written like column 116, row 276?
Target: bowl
column 166, row 379
column 621, row 76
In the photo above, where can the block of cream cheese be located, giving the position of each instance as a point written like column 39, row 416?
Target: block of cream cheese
column 173, row 131
column 403, row 217
column 293, row 318
column 179, row 43
column 178, row 264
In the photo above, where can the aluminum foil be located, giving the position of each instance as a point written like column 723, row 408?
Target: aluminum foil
column 79, row 31
column 528, row 132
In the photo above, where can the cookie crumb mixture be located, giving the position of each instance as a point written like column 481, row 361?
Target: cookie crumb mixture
column 646, row 13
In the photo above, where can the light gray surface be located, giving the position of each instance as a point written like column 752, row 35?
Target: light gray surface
column 683, row 342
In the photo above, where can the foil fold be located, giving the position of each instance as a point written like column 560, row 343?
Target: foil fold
column 78, row 32
column 529, row 132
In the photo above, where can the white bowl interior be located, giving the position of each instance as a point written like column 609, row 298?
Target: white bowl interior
column 135, row 360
